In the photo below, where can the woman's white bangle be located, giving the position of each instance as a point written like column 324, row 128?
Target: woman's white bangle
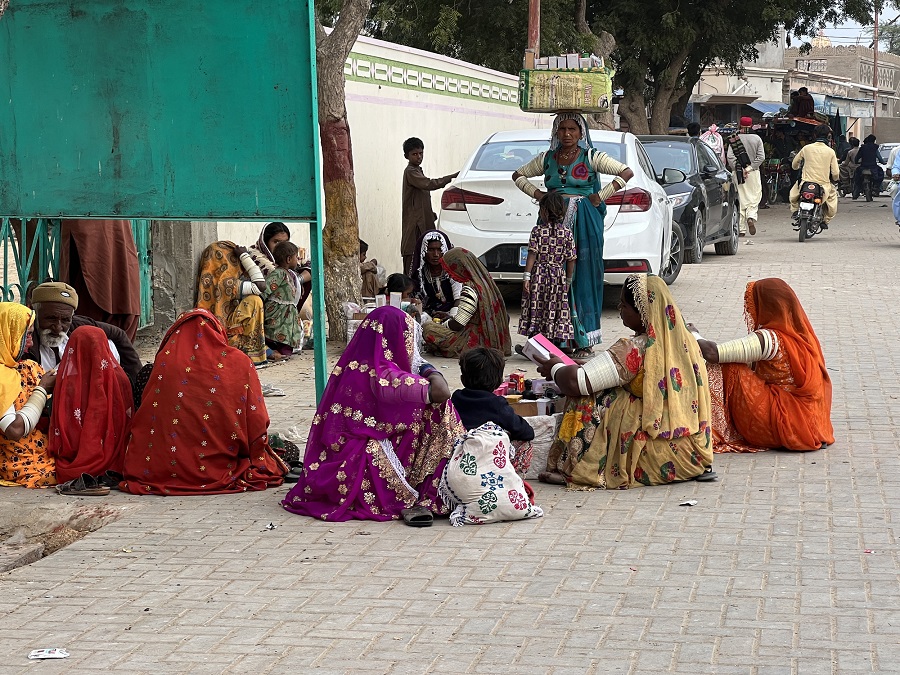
column 555, row 368
column 526, row 276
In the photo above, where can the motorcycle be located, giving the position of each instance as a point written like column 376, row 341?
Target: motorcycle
column 867, row 184
column 778, row 178
column 810, row 218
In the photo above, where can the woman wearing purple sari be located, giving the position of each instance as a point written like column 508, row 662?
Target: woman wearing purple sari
column 382, row 433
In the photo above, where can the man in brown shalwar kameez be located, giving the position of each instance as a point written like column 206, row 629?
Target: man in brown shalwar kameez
column 418, row 216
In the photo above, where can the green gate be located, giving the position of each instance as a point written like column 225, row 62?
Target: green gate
column 30, row 255
column 142, row 241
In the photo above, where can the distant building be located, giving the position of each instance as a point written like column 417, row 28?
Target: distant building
column 841, row 80
column 721, row 97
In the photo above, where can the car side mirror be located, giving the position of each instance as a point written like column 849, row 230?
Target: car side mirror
column 710, row 168
column 672, row 176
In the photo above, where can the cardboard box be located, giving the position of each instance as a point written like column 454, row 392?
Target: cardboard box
column 588, row 91
column 542, row 406
column 572, row 61
column 541, row 346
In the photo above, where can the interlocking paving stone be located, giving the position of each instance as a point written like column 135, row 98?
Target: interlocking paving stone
column 766, row 574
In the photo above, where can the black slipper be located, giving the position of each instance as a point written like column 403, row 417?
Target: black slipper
column 417, row 516
column 293, row 475
column 707, row 476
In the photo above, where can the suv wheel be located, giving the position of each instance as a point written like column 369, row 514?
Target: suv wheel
column 672, row 267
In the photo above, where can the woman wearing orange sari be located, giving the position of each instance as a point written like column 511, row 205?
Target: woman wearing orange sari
column 772, row 390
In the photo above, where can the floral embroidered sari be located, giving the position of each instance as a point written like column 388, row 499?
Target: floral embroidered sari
column 202, row 425
column 92, row 408
column 376, row 445
column 654, row 429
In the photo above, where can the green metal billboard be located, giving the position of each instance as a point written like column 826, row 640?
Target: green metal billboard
column 166, row 109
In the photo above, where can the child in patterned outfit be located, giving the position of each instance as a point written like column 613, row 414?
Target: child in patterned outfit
column 548, row 274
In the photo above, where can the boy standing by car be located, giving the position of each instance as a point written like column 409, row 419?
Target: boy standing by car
column 417, row 214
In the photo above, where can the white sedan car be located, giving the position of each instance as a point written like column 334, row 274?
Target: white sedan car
column 483, row 210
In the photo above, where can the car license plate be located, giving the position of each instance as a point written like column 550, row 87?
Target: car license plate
column 523, row 255
column 806, row 206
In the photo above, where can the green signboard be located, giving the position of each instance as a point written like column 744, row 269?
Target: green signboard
column 165, row 109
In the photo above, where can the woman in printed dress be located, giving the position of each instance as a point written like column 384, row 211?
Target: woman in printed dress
column 202, row 425
column 481, row 319
column 638, row 413
column 24, row 453
column 383, row 430
column 261, row 252
column 572, row 167
column 772, row 389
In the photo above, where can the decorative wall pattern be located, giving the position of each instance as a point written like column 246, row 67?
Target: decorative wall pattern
column 386, row 72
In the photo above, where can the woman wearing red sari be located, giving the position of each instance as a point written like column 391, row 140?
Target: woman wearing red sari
column 202, row 425
column 92, row 408
column 773, row 390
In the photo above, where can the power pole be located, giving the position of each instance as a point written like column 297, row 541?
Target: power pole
column 875, row 70
column 534, row 26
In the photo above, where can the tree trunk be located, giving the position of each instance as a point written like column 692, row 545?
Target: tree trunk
column 633, row 109
column 601, row 45
column 667, row 93
column 340, row 234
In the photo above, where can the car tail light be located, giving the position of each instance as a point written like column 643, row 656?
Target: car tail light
column 625, row 266
column 455, row 199
column 631, row 200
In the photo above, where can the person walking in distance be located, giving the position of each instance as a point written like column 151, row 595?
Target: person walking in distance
column 745, row 155
column 417, row 215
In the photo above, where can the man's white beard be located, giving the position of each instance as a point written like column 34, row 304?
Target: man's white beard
column 51, row 339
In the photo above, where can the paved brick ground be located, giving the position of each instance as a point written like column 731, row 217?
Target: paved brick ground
column 788, row 564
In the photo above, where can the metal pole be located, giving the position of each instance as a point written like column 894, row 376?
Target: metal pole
column 534, row 26
column 875, row 72
column 315, row 232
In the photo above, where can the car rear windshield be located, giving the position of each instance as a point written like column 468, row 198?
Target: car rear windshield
column 670, row 155
column 510, row 155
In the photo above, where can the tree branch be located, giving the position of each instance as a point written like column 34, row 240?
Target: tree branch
column 346, row 29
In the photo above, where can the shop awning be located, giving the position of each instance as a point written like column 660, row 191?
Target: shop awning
column 723, row 99
column 767, row 106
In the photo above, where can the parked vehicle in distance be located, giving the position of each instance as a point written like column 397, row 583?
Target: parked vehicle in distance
column 885, row 149
column 705, row 203
column 483, row 210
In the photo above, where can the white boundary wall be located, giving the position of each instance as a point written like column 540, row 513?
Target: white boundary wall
column 394, row 92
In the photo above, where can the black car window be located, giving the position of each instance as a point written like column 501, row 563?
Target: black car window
column 707, row 156
column 671, row 155
column 510, row 155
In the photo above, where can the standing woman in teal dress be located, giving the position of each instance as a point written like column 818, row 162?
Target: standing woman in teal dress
column 571, row 167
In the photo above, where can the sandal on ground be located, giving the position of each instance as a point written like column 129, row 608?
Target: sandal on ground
column 293, row 475
column 551, row 478
column 110, row 479
column 583, row 353
column 83, row 486
column 417, row 516
column 751, row 226
column 520, row 350
column 707, row 476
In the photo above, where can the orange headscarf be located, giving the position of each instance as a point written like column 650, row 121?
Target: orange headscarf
column 15, row 320
column 801, row 413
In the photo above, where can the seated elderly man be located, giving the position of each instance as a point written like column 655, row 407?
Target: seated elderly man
column 54, row 304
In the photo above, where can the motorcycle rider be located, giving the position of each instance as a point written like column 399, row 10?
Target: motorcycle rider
column 895, row 174
column 868, row 157
column 819, row 166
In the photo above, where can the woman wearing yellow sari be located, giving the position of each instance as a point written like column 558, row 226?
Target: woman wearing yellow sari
column 24, row 452
column 223, row 291
column 638, row 414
